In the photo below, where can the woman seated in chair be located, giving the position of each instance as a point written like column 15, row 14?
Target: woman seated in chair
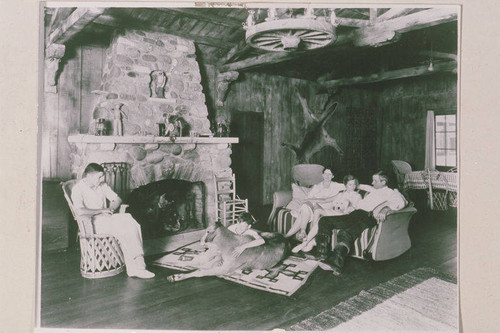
column 89, row 198
column 320, row 197
column 343, row 203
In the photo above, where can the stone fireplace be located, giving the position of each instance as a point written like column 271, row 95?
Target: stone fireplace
column 126, row 86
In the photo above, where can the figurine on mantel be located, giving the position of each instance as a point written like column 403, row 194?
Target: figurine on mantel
column 118, row 115
column 222, row 129
column 168, row 127
column 157, row 85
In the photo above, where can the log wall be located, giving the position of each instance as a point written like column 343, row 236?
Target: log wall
column 68, row 111
column 402, row 107
column 276, row 97
column 374, row 123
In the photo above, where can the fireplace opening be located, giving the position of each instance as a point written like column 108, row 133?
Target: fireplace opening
column 168, row 207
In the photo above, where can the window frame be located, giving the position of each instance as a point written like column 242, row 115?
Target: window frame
column 447, row 112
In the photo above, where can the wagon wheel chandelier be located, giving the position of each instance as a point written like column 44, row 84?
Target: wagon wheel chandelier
column 286, row 32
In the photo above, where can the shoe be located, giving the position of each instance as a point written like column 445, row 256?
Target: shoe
column 298, row 248
column 330, row 266
column 337, row 259
column 309, row 246
column 142, row 274
column 325, row 266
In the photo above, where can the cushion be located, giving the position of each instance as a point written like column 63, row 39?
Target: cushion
column 299, row 195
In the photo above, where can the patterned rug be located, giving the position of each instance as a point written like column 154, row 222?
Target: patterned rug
column 286, row 280
column 423, row 299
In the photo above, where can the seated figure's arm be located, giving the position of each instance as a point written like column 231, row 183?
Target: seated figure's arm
column 395, row 201
column 114, row 200
column 79, row 205
column 334, row 193
column 380, row 212
column 366, row 188
column 258, row 240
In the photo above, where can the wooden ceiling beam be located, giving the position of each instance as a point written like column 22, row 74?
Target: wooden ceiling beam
column 383, row 32
column 391, row 75
column 204, row 16
column 354, row 23
column 238, row 49
column 389, row 31
column 392, row 13
column 439, row 55
column 420, row 20
column 373, row 15
column 139, row 25
column 271, row 58
column 75, row 23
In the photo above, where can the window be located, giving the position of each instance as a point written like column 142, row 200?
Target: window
column 446, row 140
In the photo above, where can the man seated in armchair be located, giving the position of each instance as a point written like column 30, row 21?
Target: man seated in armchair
column 374, row 207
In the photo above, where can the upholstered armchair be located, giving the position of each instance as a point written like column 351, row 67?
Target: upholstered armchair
column 386, row 240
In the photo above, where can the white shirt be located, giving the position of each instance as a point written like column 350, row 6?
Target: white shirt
column 319, row 191
column 248, row 232
column 85, row 197
column 375, row 197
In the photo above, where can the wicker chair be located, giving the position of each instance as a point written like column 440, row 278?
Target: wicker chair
column 101, row 255
column 401, row 168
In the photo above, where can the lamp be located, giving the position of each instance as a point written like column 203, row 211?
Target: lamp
column 431, row 65
column 291, row 30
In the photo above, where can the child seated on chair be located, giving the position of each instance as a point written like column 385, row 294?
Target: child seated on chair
column 343, row 203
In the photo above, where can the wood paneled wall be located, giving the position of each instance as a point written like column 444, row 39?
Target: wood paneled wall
column 276, row 97
column 402, row 112
column 68, row 111
column 374, row 124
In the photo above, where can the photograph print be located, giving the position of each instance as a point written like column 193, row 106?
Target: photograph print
column 248, row 167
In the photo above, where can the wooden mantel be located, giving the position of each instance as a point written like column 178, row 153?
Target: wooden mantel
column 87, row 138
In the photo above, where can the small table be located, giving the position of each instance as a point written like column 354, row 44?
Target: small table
column 448, row 181
column 440, row 180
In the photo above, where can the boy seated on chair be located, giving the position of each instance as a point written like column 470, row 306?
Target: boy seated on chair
column 89, row 198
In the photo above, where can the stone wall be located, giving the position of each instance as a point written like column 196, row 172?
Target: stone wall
column 130, row 59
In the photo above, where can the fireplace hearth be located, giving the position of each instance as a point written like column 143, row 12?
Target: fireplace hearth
column 168, row 207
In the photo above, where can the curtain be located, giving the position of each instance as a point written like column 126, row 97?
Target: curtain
column 430, row 162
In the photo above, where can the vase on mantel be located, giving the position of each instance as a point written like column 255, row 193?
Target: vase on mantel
column 307, row 174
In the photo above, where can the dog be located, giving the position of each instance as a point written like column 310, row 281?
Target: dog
column 266, row 256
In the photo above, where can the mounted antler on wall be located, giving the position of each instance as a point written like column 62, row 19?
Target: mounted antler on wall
column 316, row 137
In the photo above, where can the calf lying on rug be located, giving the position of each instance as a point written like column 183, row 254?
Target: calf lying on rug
column 223, row 259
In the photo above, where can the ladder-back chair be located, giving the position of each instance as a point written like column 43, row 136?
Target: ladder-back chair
column 229, row 205
column 101, row 255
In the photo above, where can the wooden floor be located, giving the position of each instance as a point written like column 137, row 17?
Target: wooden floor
column 70, row 301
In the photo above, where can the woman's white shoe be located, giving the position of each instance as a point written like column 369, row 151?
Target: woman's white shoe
column 309, row 246
column 299, row 247
column 142, row 274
